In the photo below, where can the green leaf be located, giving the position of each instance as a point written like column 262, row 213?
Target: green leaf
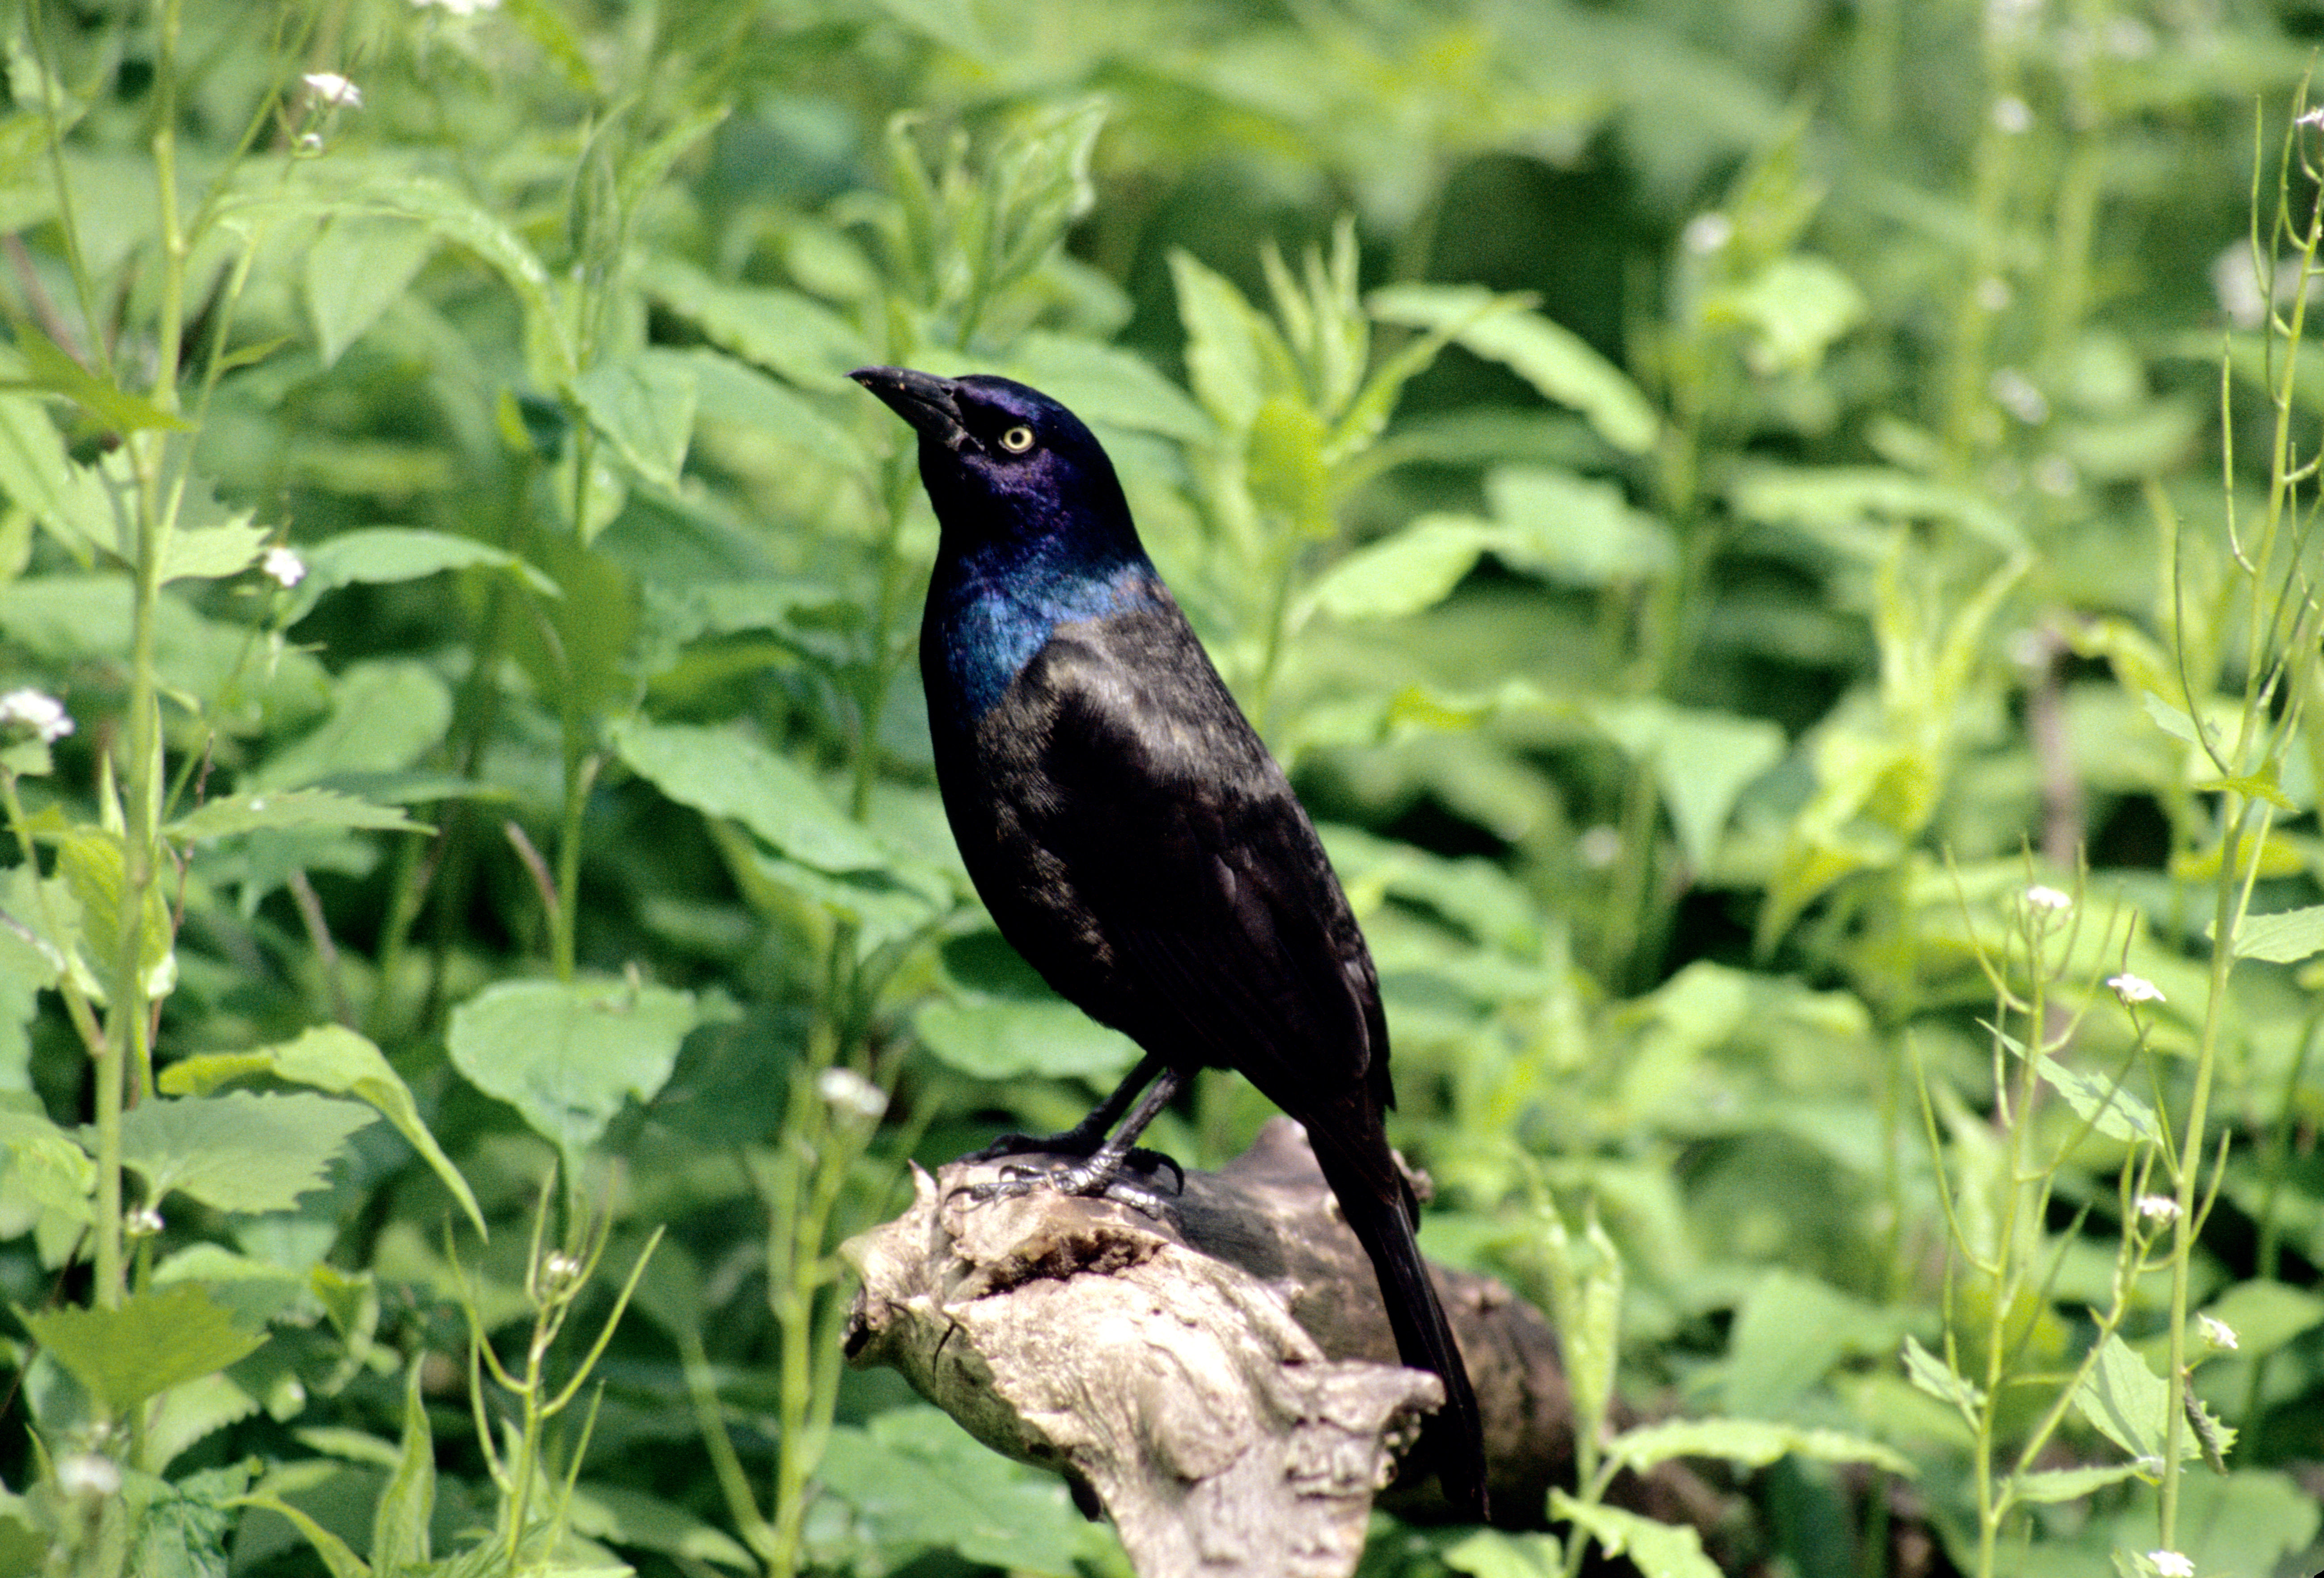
column 645, row 406
column 379, row 555
column 734, row 391
column 2129, row 1403
column 1015, row 1040
column 1794, row 308
column 568, row 1056
column 1223, row 360
column 781, row 330
column 46, row 1166
column 1752, row 1443
column 1658, row 1550
column 288, row 808
column 339, row 1559
column 2283, row 938
column 331, row 1058
column 1107, row 386
column 72, row 500
column 1554, row 360
column 1933, row 1376
column 153, row 1342
column 1492, row 1552
column 1575, row 532
column 356, row 269
column 1702, row 762
column 48, row 367
column 213, row 552
column 90, row 861
column 917, row 1481
column 398, row 1525
column 238, row 1151
column 385, row 714
column 2054, row 1485
column 1585, row 1288
column 724, row 772
column 2103, row 1103
column 624, row 1516
column 1838, row 500
column 1403, row 572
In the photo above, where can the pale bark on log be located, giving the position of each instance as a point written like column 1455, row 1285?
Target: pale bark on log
column 1220, row 1376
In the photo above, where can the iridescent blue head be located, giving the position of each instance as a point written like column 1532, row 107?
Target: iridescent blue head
column 1035, row 532
column 1005, row 464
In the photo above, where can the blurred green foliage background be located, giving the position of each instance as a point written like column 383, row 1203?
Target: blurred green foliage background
column 1720, row 506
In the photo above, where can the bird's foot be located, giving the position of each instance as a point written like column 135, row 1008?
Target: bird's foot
column 1132, row 1179
column 1092, row 1174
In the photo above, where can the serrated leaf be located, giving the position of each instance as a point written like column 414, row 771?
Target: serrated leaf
column 331, row 1058
column 1551, row 357
column 645, row 406
column 2129, row 1403
column 1017, row 1040
column 1223, row 360
column 1754, row 1443
column 213, row 552
column 568, row 1056
column 72, row 500
column 46, row 1166
column 239, row 1151
column 1658, row 1550
column 1933, row 1376
column 2283, row 938
column 90, row 861
column 1404, row 572
column 399, row 1524
column 357, row 266
column 285, row 808
column 1585, row 1287
column 724, row 772
column 153, row 1342
column 385, row 714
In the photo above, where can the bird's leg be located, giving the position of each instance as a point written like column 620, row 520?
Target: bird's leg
column 1100, row 1172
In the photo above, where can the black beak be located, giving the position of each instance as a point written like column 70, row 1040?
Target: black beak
column 920, row 398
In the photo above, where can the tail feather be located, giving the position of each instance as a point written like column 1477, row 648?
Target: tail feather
column 1381, row 1211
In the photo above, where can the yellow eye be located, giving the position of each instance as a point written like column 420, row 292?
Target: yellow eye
column 1016, row 439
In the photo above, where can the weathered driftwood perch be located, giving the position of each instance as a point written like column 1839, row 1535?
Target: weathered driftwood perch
column 1220, row 1377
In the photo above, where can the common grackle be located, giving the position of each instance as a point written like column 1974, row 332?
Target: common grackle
column 1133, row 838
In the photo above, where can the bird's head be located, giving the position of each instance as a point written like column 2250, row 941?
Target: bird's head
column 1000, row 460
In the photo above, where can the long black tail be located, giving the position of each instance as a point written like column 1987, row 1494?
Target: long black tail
column 1379, row 1205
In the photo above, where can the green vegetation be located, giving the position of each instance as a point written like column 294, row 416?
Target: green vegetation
column 1778, row 540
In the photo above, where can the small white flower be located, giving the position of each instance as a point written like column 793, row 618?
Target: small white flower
column 2216, row 1333
column 2314, row 117
column 328, row 88
column 2158, row 1208
column 2014, row 392
column 558, row 1271
column 850, row 1092
column 86, row 1473
column 2171, row 1565
column 2012, row 114
column 1598, row 846
column 1707, row 233
column 457, row 7
column 2038, row 897
column 2136, row 989
column 310, row 141
column 42, row 713
column 143, row 1222
column 2055, row 475
column 283, row 566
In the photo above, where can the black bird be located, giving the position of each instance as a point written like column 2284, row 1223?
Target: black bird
column 1133, row 838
